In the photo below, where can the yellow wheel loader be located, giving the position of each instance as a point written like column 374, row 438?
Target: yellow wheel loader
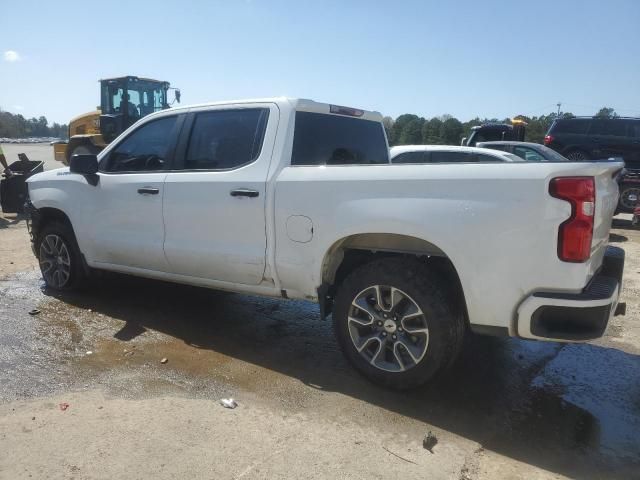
column 123, row 101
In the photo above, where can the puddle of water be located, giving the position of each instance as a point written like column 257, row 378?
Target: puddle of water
column 601, row 381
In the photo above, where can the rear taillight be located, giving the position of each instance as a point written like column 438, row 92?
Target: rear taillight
column 548, row 139
column 576, row 233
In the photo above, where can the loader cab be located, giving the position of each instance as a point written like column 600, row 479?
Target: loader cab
column 125, row 100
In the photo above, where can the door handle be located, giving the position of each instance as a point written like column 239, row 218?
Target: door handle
column 148, row 191
column 244, row 192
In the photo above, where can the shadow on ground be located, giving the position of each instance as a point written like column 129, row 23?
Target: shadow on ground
column 623, row 223
column 514, row 397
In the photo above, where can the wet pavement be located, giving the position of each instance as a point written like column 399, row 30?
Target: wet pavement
column 570, row 409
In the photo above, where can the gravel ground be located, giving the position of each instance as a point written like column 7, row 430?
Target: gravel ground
column 509, row 409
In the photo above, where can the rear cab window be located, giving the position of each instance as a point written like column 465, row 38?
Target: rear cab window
column 329, row 139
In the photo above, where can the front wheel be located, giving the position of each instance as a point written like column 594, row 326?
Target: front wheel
column 395, row 322
column 59, row 256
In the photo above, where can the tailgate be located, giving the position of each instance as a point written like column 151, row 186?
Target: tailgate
column 605, row 175
column 606, row 203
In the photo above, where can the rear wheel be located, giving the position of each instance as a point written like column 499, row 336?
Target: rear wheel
column 629, row 197
column 59, row 256
column 577, row 156
column 395, row 323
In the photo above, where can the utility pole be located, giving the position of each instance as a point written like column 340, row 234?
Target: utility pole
column 559, row 104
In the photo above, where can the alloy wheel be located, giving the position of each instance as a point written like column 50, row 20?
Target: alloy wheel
column 576, row 156
column 629, row 198
column 55, row 261
column 388, row 328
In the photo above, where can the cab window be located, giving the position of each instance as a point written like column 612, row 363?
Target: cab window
column 225, row 139
column 144, row 150
column 410, row 157
column 528, row 154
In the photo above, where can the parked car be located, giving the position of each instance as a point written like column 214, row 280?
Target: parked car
column 589, row 138
column 297, row 199
column 529, row 152
column 628, row 183
column 447, row 154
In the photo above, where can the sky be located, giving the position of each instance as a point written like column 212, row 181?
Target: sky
column 486, row 58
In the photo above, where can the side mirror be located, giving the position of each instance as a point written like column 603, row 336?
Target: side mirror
column 84, row 164
column 178, row 95
column 463, row 143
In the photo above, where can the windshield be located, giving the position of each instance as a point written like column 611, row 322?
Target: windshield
column 145, row 97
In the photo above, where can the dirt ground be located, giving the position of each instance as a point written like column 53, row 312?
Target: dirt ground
column 84, row 395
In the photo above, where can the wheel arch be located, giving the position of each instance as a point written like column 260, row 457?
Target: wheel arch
column 40, row 217
column 352, row 251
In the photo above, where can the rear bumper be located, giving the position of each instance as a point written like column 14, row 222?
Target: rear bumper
column 575, row 316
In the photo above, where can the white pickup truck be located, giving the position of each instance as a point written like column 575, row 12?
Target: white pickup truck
column 297, row 199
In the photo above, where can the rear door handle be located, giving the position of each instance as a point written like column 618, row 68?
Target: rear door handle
column 244, row 192
column 148, row 191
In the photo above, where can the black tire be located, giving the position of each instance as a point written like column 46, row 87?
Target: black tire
column 76, row 271
column 625, row 204
column 577, row 155
column 426, row 289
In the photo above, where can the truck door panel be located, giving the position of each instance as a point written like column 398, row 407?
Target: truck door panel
column 214, row 203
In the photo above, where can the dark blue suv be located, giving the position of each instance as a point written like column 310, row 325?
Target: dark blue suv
column 594, row 138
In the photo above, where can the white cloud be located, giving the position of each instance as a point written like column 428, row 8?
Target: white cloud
column 11, row 56
column 18, row 107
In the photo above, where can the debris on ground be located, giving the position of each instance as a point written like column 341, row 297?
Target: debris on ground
column 89, row 352
column 63, row 406
column 430, row 441
column 400, row 457
column 164, row 360
column 228, row 403
column 35, row 311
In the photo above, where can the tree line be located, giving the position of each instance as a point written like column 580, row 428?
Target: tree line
column 16, row 126
column 407, row 129
column 410, row 129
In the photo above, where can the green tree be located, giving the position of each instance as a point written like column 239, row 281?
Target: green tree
column 411, row 133
column 451, row 131
column 431, row 132
column 399, row 125
column 16, row 126
column 606, row 112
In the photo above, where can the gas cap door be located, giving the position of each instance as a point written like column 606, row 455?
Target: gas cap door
column 299, row 228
